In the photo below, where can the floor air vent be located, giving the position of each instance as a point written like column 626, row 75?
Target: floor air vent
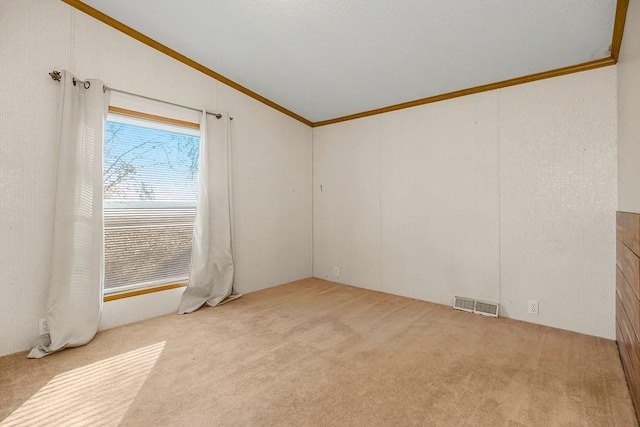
column 474, row 306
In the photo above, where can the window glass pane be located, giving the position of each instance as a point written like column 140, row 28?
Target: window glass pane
column 150, row 190
column 149, row 161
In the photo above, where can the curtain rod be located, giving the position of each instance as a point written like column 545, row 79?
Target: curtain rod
column 57, row 76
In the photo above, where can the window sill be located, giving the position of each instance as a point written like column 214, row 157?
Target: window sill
column 137, row 292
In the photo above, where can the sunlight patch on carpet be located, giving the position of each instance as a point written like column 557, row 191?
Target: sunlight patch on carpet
column 99, row 393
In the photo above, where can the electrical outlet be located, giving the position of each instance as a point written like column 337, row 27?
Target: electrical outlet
column 43, row 327
column 336, row 271
column 533, row 307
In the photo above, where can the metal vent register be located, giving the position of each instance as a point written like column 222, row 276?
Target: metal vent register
column 471, row 305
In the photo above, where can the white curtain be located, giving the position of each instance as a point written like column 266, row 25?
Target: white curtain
column 75, row 282
column 211, row 274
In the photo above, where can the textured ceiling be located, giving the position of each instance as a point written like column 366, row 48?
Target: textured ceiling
column 327, row 59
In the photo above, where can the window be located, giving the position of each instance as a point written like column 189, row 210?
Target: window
column 150, row 188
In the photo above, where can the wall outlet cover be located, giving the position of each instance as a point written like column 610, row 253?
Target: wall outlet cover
column 43, row 327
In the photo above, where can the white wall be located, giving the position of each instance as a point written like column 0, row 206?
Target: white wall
column 271, row 160
column 507, row 195
column 629, row 113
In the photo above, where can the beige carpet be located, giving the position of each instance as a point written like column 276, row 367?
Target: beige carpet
column 319, row 353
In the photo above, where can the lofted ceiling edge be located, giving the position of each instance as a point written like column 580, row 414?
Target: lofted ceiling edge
column 618, row 31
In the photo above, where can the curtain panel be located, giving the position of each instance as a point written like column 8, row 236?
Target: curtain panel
column 74, row 289
column 212, row 269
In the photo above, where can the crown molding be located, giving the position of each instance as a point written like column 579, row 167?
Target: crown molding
column 178, row 56
column 604, row 62
column 618, row 28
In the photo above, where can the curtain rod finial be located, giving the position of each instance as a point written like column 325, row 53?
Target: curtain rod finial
column 55, row 75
